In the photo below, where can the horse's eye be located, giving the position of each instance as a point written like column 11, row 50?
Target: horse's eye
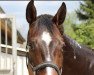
column 31, row 46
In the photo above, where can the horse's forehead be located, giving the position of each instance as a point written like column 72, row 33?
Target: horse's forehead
column 46, row 37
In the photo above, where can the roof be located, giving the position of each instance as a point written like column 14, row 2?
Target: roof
column 1, row 10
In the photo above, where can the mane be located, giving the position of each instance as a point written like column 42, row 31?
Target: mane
column 72, row 42
column 79, row 49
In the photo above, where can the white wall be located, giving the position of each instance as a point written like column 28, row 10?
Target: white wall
column 21, row 66
column 6, row 63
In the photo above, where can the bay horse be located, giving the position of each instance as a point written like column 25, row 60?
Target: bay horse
column 44, row 41
column 51, row 52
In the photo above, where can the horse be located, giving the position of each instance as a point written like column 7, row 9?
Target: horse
column 51, row 52
column 44, row 41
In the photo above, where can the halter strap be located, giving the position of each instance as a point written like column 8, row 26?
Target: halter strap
column 42, row 65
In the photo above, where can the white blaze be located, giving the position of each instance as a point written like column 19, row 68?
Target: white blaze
column 46, row 37
column 48, row 58
column 49, row 71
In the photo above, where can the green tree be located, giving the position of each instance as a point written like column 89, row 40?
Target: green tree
column 85, row 30
column 86, row 10
column 85, row 33
column 70, row 20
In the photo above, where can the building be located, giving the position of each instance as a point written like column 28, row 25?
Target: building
column 20, row 39
column 6, row 49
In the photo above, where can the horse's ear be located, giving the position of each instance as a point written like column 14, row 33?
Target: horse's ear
column 31, row 12
column 59, row 18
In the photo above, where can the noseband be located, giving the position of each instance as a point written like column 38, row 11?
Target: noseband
column 42, row 65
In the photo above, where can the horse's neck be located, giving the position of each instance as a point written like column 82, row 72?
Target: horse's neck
column 70, row 44
column 69, row 48
column 84, row 58
column 72, row 49
column 87, row 52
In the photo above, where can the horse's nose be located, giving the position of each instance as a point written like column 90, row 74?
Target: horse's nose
column 50, row 71
column 47, row 71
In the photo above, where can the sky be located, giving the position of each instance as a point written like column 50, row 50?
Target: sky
column 18, row 9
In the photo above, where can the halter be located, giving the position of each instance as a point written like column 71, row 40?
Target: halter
column 42, row 65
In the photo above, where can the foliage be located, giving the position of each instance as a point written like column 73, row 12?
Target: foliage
column 82, row 31
column 68, row 25
column 86, row 10
column 85, row 32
